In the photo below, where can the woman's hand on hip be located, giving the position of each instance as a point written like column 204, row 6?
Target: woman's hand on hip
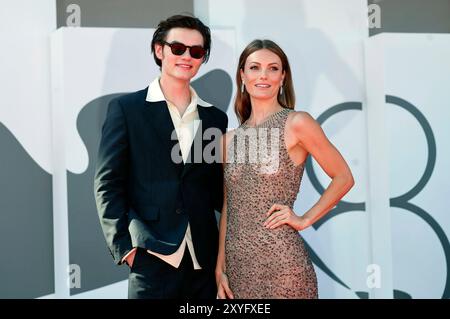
column 279, row 215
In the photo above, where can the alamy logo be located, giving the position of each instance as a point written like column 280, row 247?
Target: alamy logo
column 74, row 278
column 74, row 19
column 374, row 277
column 252, row 146
column 374, row 16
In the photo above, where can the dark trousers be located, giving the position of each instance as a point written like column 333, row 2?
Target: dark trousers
column 152, row 278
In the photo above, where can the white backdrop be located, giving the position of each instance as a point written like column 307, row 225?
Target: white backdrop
column 407, row 81
column 25, row 142
column 337, row 68
column 25, row 74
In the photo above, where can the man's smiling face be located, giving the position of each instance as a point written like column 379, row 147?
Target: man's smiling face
column 180, row 67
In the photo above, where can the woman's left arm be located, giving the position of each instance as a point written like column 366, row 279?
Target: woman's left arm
column 310, row 136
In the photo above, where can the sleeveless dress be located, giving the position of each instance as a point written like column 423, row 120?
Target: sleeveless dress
column 260, row 262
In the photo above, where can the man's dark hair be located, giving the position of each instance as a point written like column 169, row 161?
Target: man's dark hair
column 181, row 21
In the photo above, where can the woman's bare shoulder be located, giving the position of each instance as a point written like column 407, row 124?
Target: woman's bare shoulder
column 299, row 120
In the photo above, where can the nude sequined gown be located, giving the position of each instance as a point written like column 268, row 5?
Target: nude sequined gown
column 260, row 262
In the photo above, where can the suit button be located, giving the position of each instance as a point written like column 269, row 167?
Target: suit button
column 178, row 211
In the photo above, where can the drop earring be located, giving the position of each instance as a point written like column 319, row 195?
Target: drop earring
column 281, row 89
column 242, row 87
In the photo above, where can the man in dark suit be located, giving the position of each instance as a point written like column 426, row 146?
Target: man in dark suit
column 155, row 191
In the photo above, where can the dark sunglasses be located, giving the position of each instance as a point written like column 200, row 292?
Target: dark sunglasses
column 196, row 51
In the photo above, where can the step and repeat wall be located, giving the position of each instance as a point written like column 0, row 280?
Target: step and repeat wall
column 382, row 100
column 408, row 110
column 26, row 214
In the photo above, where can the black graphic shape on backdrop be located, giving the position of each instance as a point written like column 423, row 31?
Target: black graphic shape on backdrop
column 403, row 201
column 26, row 223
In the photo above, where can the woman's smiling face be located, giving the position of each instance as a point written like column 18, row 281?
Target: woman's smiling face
column 263, row 74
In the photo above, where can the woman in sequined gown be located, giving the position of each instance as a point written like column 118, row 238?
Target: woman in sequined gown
column 261, row 253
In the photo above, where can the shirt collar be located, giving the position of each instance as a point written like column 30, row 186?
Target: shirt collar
column 155, row 94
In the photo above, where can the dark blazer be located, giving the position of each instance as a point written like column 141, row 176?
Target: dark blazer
column 143, row 198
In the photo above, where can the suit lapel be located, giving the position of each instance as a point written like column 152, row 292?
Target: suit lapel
column 158, row 116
